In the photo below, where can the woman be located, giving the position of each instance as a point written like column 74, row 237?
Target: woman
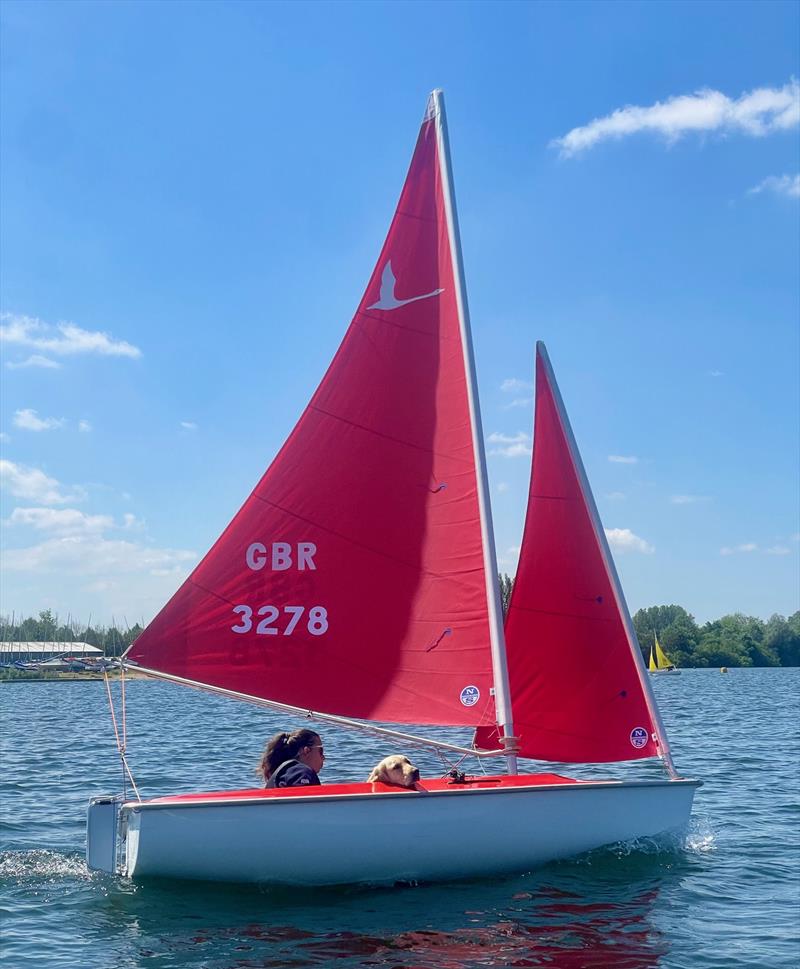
column 292, row 759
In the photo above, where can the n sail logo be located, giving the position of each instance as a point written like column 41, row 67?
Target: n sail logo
column 639, row 737
column 470, row 696
column 388, row 300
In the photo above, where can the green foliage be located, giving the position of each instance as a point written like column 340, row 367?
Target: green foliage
column 735, row 640
column 782, row 638
column 46, row 629
column 677, row 632
column 506, row 585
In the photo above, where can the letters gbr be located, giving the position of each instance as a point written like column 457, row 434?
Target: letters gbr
column 279, row 557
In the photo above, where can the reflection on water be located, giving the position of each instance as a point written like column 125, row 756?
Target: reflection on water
column 596, row 913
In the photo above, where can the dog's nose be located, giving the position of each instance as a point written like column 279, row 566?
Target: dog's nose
column 415, row 774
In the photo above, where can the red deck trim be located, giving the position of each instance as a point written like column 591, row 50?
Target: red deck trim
column 326, row 790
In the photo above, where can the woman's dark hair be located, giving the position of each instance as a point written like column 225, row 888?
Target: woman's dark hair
column 283, row 747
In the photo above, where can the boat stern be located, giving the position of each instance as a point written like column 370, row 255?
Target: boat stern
column 102, row 833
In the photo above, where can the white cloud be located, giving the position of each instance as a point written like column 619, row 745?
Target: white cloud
column 510, row 446
column 84, row 427
column 502, row 487
column 35, row 360
column 623, row 540
column 509, row 557
column 756, row 113
column 616, row 495
column 512, row 385
column 5, row 438
column 519, row 402
column 715, row 373
column 622, row 459
column 189, row 425
column 29, row 420
column 34, row 485
column 778, row 550
column 63, row 339
column 63, row 521
column 788, row 185
column 688, row 499
column 94, row 555
column 745, row 547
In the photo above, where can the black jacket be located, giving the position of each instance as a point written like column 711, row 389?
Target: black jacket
column 292, row 773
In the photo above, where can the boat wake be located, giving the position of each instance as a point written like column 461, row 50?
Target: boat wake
column 42, row 864
column 696, row 837
column 700, row 836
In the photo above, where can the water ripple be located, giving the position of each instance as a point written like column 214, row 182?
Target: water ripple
column 720, row 895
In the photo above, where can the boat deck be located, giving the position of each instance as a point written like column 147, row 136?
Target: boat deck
column 504, row 781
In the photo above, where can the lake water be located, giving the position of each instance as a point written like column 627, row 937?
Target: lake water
column 725, row 895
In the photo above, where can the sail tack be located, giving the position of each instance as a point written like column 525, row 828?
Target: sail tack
column 352, row 580
column 576, row 686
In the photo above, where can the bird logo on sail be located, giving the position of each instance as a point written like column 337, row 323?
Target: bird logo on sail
column 388, row 301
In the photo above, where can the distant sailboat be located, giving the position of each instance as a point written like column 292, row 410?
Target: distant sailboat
column 358, row 582
column 659, row 661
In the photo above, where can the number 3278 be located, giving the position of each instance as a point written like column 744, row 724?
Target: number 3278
column 316, row 620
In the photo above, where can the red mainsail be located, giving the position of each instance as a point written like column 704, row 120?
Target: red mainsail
column 577, row 691
column 352, row 580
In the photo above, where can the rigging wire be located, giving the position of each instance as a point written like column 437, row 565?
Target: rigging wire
column 121, row 743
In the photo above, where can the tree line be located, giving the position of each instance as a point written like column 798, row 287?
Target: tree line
column 46, row 628
column 733, row 640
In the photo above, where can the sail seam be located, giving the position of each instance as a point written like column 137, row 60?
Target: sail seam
column 397, row 326
column 568, row 615
column 388, row 437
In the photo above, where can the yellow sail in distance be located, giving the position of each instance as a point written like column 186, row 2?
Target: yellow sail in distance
column 658, row 658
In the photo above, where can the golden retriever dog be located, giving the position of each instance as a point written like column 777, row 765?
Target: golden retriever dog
column 397, row 770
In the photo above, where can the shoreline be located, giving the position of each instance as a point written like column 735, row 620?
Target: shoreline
column 69, row 677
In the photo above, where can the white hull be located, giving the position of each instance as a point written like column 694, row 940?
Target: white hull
column 665, row 672
column 391, row 837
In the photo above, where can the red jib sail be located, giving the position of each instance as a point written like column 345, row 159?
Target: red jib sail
column 577, row 690
column 352, row 580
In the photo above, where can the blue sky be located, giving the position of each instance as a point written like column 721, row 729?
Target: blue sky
column 194, row 195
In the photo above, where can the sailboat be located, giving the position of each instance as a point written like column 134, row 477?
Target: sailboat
column 659, row 661
column 358, row 583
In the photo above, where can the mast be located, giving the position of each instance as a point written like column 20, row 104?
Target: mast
column 502, row 691
column 616, row 585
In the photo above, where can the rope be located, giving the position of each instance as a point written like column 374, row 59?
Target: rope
column 124, row 725
column 120, row 743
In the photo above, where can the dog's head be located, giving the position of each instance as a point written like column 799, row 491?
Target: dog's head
column 397, row 770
